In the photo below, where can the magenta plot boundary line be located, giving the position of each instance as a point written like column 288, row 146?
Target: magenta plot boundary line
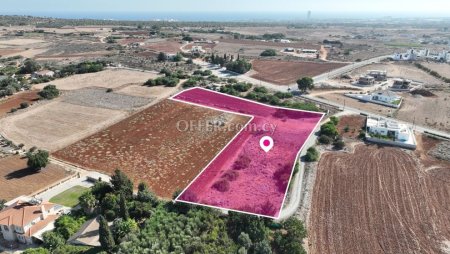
column 218, row 154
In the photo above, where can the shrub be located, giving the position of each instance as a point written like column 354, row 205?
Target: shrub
column 24, row 105
column 260, row 89
column 323, row 139
column 240, row 66
column 230, row 175
column 109, row 90
column 312, row 155
column 269, row 52
column 242, row 87
column 329, row 129
column 282, row 95
column 49, row 92
column 339, row 144
column 334, row 120
column 222, row 185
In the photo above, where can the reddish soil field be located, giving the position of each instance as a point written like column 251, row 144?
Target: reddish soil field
column 170, row 47
column 379, row 200
column 14, row 101
column 9, row 51
column 354, row 124
column 287, row 72
column 273, row 44
column 16, row 179
column 149, row 147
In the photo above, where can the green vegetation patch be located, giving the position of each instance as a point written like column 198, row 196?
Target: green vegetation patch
column 69, row 197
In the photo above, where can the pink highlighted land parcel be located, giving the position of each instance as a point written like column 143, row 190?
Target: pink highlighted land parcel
column 243, row 177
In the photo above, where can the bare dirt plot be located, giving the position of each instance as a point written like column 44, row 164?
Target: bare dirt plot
column 287, row 72
column 378, row 200
column 14, row 101
column 426, row 111
column 441, row 68
column 272, row 44
column 9, row 51
column 339, row 97
column 170, row 47
column 56, row 124
column 16, row 179
column 145, row 91
column 20, row 42
column 108, row 79
column 149, row 147
column 350, row 125
column 399, row 70
column 100, row 98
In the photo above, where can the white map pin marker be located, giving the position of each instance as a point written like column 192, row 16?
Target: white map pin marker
column 266, row 143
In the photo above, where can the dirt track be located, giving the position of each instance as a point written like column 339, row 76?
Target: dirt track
column 379, row 200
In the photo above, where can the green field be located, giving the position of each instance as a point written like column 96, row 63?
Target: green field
column 69, row 197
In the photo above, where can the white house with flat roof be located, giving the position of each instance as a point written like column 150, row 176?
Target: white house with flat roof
column 383, row 97
column 389, row 132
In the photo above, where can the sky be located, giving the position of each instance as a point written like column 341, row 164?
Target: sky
column 421, row 7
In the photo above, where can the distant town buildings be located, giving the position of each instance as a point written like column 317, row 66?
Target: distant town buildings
column 42, row 73
column 413, row 55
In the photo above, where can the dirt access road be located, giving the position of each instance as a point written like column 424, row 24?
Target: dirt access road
column 380, row 200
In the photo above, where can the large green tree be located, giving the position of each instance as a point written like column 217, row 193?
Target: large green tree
column 122, row 184
column 37, row 159
column 105, row 236
column 305, row 84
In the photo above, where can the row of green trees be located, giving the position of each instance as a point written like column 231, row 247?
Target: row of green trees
column 143, row 224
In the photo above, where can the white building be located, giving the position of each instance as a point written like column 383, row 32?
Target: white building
column 197, row 49
column 386, row 97
column 26, row 221
column 43, row 73
column 389, row 128
column 410, row 55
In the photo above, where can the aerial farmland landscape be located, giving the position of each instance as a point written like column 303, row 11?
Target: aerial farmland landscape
column 236, row 127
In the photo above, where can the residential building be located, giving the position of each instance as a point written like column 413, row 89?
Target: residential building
column 410, row 55
column 387, row 128
column 26, row 221
column 401, row 84
column 386, row 97
column 289, row 50
column 366, row 80
column 378, row 75
column 197, row 49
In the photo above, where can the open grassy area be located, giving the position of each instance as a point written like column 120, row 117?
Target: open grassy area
column 69, row 197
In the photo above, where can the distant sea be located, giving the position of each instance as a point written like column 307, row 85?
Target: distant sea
column 224, row 16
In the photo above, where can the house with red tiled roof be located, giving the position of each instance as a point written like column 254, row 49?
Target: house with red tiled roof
column 27, row 221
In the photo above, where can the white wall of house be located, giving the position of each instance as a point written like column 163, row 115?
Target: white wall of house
column 8, row 233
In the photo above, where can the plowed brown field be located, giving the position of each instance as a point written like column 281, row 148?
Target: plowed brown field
column 379, row 200
column 149, row 146
column 16, row 179
column 288, row 72
column 14, row 101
